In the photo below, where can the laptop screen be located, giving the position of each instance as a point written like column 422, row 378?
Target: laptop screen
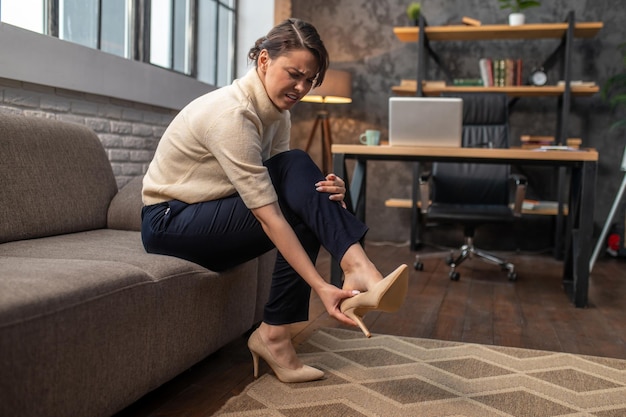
column 425, row 121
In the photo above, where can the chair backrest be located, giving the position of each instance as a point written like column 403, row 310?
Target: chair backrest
column 485, row 124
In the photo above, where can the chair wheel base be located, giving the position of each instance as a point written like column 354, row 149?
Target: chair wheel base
column 454, row 276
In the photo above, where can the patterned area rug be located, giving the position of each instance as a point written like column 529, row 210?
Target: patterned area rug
column 398, row 376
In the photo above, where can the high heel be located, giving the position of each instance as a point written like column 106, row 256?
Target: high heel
column 259, row 349
column 387, row 295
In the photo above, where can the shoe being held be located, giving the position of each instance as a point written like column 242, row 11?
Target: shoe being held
column 387, row 295
column 259, row 349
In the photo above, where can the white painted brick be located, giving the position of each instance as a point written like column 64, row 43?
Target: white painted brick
column 118, row 155
column 98, row 125
column 71, row 118
column 84, row 107
column 109, row 111
column 132, row 115
column 39, row 113
column 121, row 127
column 54, row 103
column 21, row 98
column 111, row 141
column 131, row 142
column 140, row 156
column 140, row 129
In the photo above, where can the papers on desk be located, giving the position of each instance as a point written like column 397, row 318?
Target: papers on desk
column 556, row 148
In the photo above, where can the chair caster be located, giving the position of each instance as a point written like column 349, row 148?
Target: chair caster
column 454, row 276
column 418, row 264
column 449, row 260
column 512, row 275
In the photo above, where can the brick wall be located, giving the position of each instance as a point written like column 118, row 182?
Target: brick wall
column 128, row 131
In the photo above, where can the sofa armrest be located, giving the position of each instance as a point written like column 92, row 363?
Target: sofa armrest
column 125, row 208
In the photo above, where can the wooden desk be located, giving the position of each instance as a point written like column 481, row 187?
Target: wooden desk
column 582, row 165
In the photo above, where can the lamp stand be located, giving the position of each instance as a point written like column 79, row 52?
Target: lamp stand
column 607, row 225
column 322, row 121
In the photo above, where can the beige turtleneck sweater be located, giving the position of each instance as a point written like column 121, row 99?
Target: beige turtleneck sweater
column 216, row 147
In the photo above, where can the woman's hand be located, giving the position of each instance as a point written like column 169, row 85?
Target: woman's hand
column 335, row 186
column 332, row 297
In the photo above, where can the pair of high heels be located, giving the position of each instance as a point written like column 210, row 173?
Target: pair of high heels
column 387, row 295
column 259, row 349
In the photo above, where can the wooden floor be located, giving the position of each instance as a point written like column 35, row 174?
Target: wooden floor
column 482, row 307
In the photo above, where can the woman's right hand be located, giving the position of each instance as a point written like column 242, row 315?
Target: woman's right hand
column 332, row 297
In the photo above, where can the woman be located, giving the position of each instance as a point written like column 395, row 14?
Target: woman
column 224, row 188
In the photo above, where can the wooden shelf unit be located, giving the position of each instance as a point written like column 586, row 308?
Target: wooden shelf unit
column 498, row 32
column 409, row 88
column 565, row 31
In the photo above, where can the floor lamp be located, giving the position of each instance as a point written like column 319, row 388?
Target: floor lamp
column 335, row 89
column 605, row 230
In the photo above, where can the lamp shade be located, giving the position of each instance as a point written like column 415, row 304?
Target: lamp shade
column 336, row 88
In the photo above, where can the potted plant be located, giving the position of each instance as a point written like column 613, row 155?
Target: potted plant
column 413, row 11
column 516, row 17
column 614, row 90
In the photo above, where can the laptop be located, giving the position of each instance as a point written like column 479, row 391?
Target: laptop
column 425, row 121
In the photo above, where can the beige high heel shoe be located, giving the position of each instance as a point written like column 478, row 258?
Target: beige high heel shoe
column 258, row 348
column 388, row 295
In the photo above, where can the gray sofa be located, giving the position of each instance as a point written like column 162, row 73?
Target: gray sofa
column 90, row 322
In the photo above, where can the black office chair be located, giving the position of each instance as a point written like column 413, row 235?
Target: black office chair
column 473, row 194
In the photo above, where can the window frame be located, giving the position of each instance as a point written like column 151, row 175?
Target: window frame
column 224, row 65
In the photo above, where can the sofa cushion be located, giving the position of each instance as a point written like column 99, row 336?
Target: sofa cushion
column 89, row 321
column 34, row 287
column 125, row 209
column 118, row 246
column 56, row 178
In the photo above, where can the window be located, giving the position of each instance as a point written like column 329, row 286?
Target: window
column 192, row 37
column 27, row 14
column 216, row 48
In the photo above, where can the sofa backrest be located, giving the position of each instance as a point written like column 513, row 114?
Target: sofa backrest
column 55, row 178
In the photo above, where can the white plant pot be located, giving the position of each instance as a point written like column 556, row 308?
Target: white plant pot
column 516, row 19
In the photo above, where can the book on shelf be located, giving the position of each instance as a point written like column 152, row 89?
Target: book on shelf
column 578, row 83
column 470, row 21
column 467, row 82
column 534, row 141
column 486, row 72
column 500, row 72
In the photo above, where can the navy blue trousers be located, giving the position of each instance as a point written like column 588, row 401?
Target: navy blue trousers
column 223, row 233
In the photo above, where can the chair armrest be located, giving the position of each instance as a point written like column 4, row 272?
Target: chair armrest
column 520, row 193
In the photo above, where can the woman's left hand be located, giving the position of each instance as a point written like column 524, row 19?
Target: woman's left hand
column 335, row 186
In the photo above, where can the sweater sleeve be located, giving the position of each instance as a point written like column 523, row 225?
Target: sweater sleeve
column 235, row 141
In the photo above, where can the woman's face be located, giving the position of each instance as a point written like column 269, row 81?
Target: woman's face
column 287, row 78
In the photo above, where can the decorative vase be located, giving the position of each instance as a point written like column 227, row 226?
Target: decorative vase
column 516, row 19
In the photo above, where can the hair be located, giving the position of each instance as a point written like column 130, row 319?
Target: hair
column 289, row 35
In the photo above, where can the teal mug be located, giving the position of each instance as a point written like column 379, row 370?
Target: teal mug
column 370, row 137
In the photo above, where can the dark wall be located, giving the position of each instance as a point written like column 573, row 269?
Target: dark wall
column 359, row 36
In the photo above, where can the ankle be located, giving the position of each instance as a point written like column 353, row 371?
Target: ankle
column 272, row 334
column 362, row 279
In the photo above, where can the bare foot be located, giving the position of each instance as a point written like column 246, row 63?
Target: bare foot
column 359, row 272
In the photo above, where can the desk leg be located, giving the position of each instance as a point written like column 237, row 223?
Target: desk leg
column 416, row 227
column 576, row 270
column 560, row 218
